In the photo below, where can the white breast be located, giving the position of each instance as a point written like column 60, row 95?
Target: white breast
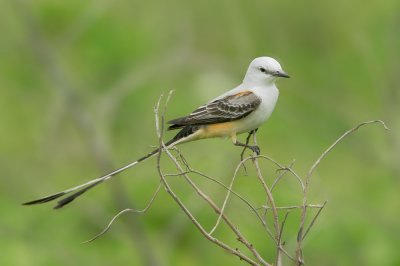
column 269, row 97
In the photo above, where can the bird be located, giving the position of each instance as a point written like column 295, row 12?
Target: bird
column 242, row 109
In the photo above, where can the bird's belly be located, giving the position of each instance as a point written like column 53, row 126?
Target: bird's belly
column 229, row 129
column 226, row 129
column 253, row 121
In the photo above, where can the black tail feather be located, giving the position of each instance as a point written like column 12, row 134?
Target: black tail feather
column 45, row 199
column 175, row 126
column 183, row 133
column 70, row 198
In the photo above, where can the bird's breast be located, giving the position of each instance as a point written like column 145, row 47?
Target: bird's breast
column 269, row 97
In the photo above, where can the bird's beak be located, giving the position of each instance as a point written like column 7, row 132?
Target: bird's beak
column 281, row 74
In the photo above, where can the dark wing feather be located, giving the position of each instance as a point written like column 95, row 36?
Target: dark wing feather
column 229, row 108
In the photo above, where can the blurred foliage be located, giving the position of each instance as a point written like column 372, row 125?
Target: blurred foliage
column 78, row 82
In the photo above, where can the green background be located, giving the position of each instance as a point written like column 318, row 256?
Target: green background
column 78, row 83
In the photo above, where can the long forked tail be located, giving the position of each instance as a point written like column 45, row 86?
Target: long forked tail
column 183, row 135
column 86, row 186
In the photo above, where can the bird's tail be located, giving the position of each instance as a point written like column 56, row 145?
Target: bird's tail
column 79, row 190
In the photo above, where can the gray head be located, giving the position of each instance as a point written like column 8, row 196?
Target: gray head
column 264, row 70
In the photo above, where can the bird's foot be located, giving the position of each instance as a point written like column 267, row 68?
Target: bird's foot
column 255, row 149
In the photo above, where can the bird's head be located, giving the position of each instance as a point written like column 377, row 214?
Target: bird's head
column 264, row 70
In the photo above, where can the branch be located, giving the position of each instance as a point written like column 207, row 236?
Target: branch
column 300, row 235
column 314, row 219
column 348, row 132
column 105, row 230
column 311, row 206
column 271, row 201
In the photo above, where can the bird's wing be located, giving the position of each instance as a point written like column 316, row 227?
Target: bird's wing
column 228, row 108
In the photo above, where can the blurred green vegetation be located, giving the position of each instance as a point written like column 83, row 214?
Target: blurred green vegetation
column 78, row 83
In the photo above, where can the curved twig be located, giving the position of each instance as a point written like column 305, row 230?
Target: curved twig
column 105, row 230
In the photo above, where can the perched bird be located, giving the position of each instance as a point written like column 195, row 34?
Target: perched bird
column 242, row 109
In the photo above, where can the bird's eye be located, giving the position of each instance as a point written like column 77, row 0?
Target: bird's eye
column 263, row 70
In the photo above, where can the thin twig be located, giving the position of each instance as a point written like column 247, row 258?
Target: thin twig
column 281, row 232
column 261, row 219
column 105, row 230
column 282, row 171
column 282, row 168
column 271, row 201
column 254, row 210
column 241, row 163
column 314, row 219
column 312, row 206
column 178, row 174
column 310, row 172
column 300, row 235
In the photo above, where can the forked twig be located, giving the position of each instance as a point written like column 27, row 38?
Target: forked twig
column 300, row 235
column 282, row 171
column 314, row 219
column 348, row 132
column 241, row 164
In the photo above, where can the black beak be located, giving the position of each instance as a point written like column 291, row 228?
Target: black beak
column 281, row 74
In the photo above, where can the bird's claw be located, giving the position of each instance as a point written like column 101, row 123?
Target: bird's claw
column 255, row 149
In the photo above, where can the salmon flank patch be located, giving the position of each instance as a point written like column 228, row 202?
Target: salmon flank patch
column 226, row 129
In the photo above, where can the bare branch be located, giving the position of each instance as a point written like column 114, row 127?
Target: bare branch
column 105, row 230
column 314, row 219
column 282, row 171
column 283, row 168
column 312, row 206
column 280, row 237
column 271, row 201
column 348, row 132
column 230, row 189
column 300, row 235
